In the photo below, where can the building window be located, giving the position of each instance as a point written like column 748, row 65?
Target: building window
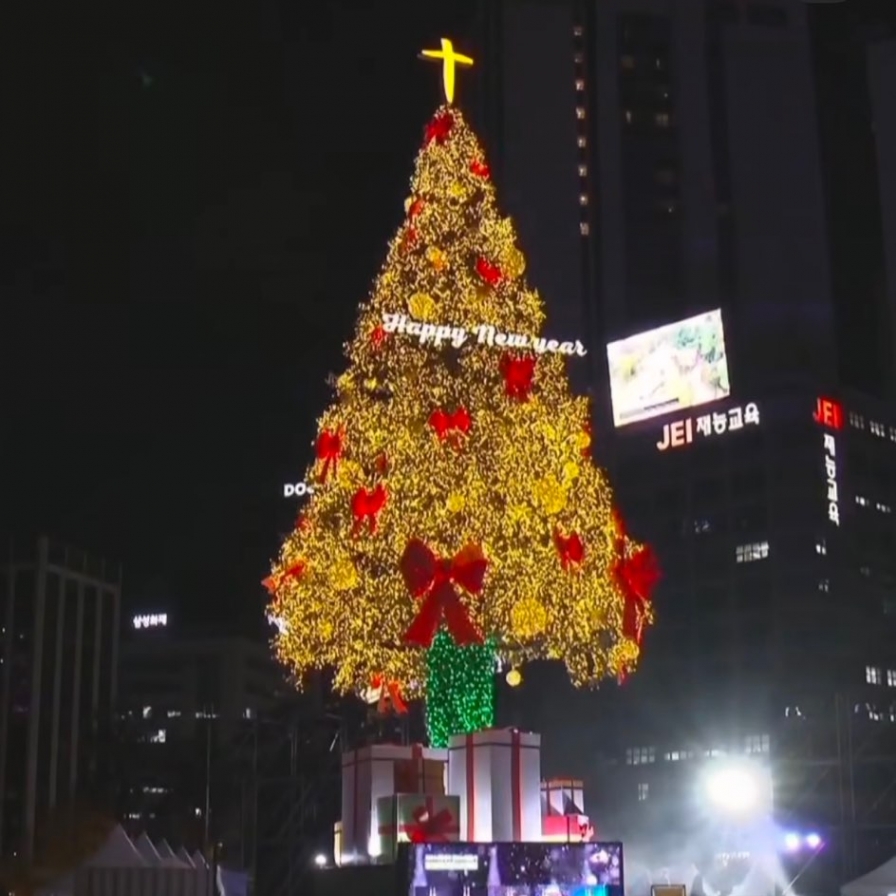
column 701, row 527
column 883, row 508
column 578, row 58
column 577, row 31
column 583, row 170
column 856, row 420
column 747, row 553
column 640, row 755
column 580, row 84
column 643, row 790
column 757, row 743
column 877, row 429
column 628, row 116
column 824, row 585
column 580, row 112
column 583, row 199
column 662, row 119
column 865, row 571
column 580, row 142
column 861, row 500
column 584, row 229
column 891, row 678
column 158, row 737
column 821, row 547
column 872, row 675
column 173, row 713
column 893, row 433
column 147, row 712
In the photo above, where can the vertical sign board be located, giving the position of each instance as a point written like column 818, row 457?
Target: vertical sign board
column 829, row 415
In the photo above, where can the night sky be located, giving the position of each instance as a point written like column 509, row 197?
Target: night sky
column 197, row 203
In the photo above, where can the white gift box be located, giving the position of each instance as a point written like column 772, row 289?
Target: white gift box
column 497, row 775
column 562, row 796
column 382, row 770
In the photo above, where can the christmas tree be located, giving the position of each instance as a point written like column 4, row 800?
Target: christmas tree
column 457, row 517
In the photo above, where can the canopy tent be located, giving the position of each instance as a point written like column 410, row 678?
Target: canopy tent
column 117, row 852
column 879, row 882
column 146, row 849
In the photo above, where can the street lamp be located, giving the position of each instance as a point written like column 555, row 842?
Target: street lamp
column 738, row 789
column 320, row 860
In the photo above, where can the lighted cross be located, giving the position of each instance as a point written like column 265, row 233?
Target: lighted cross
column 449, row 60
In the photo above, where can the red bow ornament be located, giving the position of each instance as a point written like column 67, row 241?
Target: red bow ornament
column 390, row 692
column 366, row 505
column 273, row 582
column 431, row 581
column 431, row 828
column 439, row 128
column 637, row 575
column 378, row 335
column 328, row 448
column 489, row 272
column 571, row 549
column 518, row 374
column 453, row 425
column 480, row 169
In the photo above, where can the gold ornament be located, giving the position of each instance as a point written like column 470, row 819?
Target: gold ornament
column 583, row 440
column 456, row 190
column 570, row 471
column 514, row 263
column 528, row 619
column 550, row 494
column 437, row 258
column 422, row 306
column 456, row 502
column 514, row 678
column 343, row 575
column 408, row 203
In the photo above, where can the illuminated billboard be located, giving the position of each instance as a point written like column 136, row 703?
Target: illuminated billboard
column 670, row 368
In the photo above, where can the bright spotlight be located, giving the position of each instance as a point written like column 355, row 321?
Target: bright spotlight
column 813, row 841
column 320, row 860
column 735, row 789
column 792, row 842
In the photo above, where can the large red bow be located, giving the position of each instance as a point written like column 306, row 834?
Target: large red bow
column 570, row 548
column 294, row 571
column 328, row 448
column 366, row 505
column 428, row 828
column 518, row 374
column 432, row 580
column 637, row 575
column 390, row 692
column 454, row 424
column 480, row 168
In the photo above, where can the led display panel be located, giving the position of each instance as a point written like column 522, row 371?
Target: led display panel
column 508, row 869
column 670, row 368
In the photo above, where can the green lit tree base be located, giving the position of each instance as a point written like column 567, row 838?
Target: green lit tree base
column 460, row 688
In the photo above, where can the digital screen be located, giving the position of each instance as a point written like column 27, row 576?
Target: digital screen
column 512, row 869
column 669, row 368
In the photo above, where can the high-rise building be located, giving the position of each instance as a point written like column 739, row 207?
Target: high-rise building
column 60, row 625
column 663, row 160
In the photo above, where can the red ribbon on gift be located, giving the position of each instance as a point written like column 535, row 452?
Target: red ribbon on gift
column 432, row 581
column 366, row 505
column 328, row 448
column 571, row 549
column 429, row 827
column 518, row 374
column 451, row 425
column 390, row 692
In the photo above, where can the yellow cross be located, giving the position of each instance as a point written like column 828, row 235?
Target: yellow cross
column 449, row 60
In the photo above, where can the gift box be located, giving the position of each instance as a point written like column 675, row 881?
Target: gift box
column 414, row 818
column 566, row 829
column 562, row 796
column 497, row 775
column 381, row 770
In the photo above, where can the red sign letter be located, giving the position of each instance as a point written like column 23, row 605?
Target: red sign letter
column 828, row 413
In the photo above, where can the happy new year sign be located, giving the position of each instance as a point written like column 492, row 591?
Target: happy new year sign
column 484, row 334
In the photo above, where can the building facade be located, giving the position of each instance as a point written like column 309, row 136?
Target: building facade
column 661, row 160
column 190, row 708
column 60, row 640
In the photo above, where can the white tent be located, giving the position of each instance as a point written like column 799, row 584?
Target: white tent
column 879, row 882
column 184, row 856
column 199, row 859
column 146, row 849
column 116, row 852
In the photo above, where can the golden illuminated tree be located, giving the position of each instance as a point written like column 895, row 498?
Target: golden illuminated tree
column 457, row 515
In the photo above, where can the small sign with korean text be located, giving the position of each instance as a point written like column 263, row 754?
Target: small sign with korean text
column 683, row 432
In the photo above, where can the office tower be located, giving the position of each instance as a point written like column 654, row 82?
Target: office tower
column 60, row 612
column 662, row 161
